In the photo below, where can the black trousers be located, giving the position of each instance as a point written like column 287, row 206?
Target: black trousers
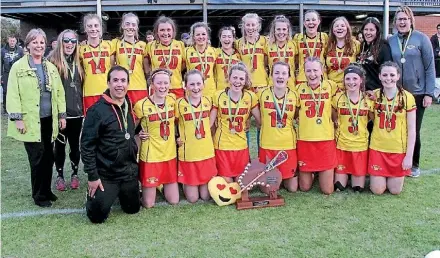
column 70, row 134
column 98, row 207
column 40, row 155
column 419, row 117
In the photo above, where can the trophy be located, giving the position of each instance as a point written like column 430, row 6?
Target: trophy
column 267, row 177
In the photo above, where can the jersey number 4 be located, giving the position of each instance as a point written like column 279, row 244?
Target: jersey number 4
column 100, row 66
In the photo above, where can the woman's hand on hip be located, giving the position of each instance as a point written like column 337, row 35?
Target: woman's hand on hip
column 20, row 126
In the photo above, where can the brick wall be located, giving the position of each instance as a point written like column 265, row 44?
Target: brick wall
column 427, row 24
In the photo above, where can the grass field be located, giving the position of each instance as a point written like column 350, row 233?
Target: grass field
column 344, row 224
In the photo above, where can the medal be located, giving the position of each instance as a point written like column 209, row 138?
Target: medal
column 127, row 136
column 163, row 122
column 389, row 112
column 279, row 113
column 354, row 117
column 252, row 54
column 72, row 84
column 402, row 47
column 71, row 71
column 311, row 54
column 167, row 60
column 203, row 63
column 231, row 115
column 339, row 59
column 389, row 129
column 98, row 71
column 130, row 71
column 124, row 119
column 317, row 103
column 355, row 132
column 129, row 57
column 319, row 121
column 339, row 71
column 165, row 137
column 196, row 120
column 96, row 61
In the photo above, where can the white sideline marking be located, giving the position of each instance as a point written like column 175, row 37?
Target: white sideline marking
column 158, row 204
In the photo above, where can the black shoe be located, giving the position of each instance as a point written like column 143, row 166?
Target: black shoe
column 52, row 197
column 43, row 204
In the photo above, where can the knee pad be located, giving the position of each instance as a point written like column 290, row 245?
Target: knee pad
column 339, row 186
column 358, row 189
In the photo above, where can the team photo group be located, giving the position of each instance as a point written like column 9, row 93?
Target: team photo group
column 343, row 107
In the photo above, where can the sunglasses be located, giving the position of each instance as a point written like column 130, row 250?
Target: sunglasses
column 67, row 40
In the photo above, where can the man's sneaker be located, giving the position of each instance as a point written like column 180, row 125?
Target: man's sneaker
column 74, row 182
column 415, row 172
column 61, row 184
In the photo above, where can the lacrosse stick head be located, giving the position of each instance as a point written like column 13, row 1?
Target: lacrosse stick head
column 270, row 179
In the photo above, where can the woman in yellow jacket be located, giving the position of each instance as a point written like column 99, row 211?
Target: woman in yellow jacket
column 36, row 107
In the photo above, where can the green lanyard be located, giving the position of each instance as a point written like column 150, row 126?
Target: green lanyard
column 252, row 55
column 285, row 52
column 232, row 116
column 197, row 122
column 125, row 119
column 339, row 58
column 389, row 112
column 167, row 59
column 203, row 63
column 354, row 121
column 96, row 61
column 129, row 57
column 402, row 51
column 166, row 113
column 280, row 113
column 230, row 59
column 317, row 104
column 71, row 71
column 314, row 45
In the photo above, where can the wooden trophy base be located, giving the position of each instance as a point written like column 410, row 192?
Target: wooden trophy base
column 259, row 202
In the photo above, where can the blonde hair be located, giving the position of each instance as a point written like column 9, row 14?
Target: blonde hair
column 313, row 59
column 128, row 15
column 349, row 47
column 163, row 19
column 241, row 67
column 281, row 63
column 57, row 55
column 193, row 72
column 199, row 25
column 243, row 22
column 405, row 9
column 91, row 16
column 283, row 19
column 33, row 34
column 160, row 71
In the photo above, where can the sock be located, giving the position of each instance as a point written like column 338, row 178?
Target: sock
column 74, row 169
column 60, row 172
column 358, row 189
column 339, row 186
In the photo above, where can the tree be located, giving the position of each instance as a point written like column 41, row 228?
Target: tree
column 9, row 27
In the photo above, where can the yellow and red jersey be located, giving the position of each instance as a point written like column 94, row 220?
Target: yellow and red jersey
column 205, row 63
column 317, row 47
column 271, row 136
column 222, row 65
column 124, row 54
column 348, row 136
column 171, row 57
column 253, row 56
column 224, row 139
column 336, row 62
column 96, row 63
column 161, row 145
column 285, row 54
column 315, row 122
column 396, row 139
column 193, row 148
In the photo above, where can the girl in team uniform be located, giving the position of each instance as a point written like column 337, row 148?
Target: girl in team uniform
column 201, row 56
column 351, row 112
column 97, row 57
column 167, row 53
column 226, row 57
column 281, row 47
column 196, row 150
column 393, row 137
column 316, row 146
column 231, row 109
column 130, row 53
column 157, row 157
column 252, row 50
column 311, row 43
column 277, row 108
column 341, row 50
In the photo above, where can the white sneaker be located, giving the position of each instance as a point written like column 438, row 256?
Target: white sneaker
column 415, row 172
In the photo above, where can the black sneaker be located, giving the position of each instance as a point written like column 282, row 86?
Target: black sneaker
column 43, row 204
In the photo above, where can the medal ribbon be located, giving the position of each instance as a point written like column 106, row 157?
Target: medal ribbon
column 166, row 112
column 389, row 113
column 402, row 51
column 354, row 121
column 230, row 59
column 197, row 122
column 285, row 52
column 125, row 115
column 203, row 63
column 339, row 58
column 317, row 104
column 99, row 55
column 71, row 71
column 314, row 46
column 129, row 58
column 232, row 116
column 167, row 60
column 277, row 108
column 253, row 53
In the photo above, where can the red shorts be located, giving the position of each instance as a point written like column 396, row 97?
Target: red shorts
column 89, row 101
column 196, row 172
column 136, row 95
column 180, row 93
column 352, row 162
column 231, row 163
column 316, row 156
column 288, row 168
column 386, row 164
column 153, row 174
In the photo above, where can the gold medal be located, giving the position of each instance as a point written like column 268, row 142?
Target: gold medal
column 389, row 129
column 355, row 132
column 98, row 71
column 233, row 131
column 198, row 136
column 165, row 137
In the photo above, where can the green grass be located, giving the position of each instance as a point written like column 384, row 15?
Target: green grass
column 310, row 225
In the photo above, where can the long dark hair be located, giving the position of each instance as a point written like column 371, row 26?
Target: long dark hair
column 400, row 93
column 377, row 42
